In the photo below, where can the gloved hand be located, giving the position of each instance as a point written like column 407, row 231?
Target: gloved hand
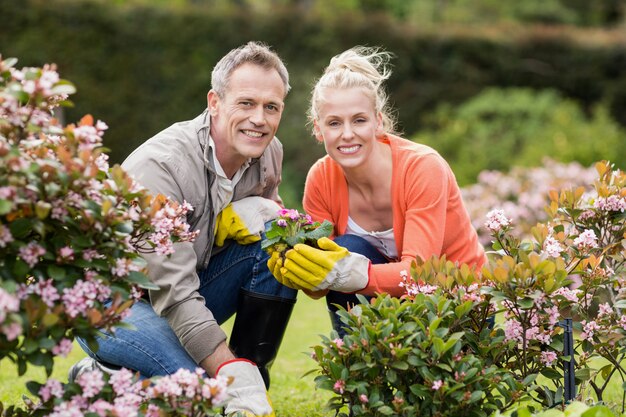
column 330, row 267
column 244, row 220
column 246, row 394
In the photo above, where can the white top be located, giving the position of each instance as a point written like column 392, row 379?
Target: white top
column 225, row 186
column 383, row 241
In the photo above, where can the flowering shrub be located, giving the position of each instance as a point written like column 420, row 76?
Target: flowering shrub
column 427, row 355
column 522, row 193
column 292, row 227
column 183, row 393
column 71, row 233
column 572, row 266
column 71, row 228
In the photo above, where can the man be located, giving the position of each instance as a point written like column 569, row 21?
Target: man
column 227, row 164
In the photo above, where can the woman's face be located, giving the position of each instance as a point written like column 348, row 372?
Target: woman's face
column 348, row 125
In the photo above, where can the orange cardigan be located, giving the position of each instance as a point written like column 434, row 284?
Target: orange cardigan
column 429, row 217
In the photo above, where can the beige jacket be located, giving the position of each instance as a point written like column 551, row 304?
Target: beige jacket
column 178, row 163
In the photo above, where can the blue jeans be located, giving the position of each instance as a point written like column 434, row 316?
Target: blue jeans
column 153, row 348
column 355, row 244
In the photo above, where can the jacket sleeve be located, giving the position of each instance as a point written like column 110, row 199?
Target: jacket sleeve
column 177, row 298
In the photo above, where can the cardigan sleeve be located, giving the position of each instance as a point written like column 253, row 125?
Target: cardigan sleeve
column 423, row 204
column 317, row 196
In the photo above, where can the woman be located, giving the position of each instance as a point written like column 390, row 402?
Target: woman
column 390, row 200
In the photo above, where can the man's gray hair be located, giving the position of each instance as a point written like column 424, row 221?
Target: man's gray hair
column 254, row 53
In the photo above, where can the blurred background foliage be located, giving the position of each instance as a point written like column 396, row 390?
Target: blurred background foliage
column 491, row 84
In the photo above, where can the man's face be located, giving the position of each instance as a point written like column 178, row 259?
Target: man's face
column 245, row 119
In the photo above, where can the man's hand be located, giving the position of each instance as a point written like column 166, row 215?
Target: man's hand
column 247, row 393
column 244, row 220
column 331, row 267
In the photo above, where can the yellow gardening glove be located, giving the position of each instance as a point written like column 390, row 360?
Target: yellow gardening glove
column 330, row 267
column 275, row 264
column 247, row 395
column 244, row 220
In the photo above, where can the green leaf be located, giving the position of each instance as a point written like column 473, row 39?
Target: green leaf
column 20, row 228
column 63, row 88
column 20, row 268
column 5, row 207
column 401, row 365
column 598, row 411
column 386, row 410
column 461, row 310
column 438, row 345
column 269, row 242
column 56, row 272
column 125, row 228
column 324, row 230
column 551, row 373
column 34, row 387
column 476, row 395
column 142, row 280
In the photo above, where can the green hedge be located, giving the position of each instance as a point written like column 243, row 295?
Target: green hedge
column 140, row 68
column 501, row 128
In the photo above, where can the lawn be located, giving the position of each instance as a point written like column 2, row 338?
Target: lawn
column 292, row 394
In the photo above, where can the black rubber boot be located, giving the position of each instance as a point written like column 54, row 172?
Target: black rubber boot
column 259, row 327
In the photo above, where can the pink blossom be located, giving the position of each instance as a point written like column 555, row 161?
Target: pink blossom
column 569, row 295
column 496, row 220
column 548, row 358
column 58, row 210
column 437, row 384
column 121, row 381
column 153, row 411
column 66, row 253
column 8, row 304
column 543, row 337
column 586, row 240
column 91, row 383
column 589, row 330
column 101, row 407
column 83, row 296
column 12, row 330
column 363, row 398
column 604, row 310
column 51, row 389
column 338, row 342
column 553, row 315
column 123, row 267
column 66, row 409
column 611, row 203
column 44, row 288
column 281, row 222
column 552, row 247
column 512, row 330
column 89, row 254
column 63, row 348
column 340, row 386
column 8, row 192
column 219, row 387
column 167, row 387
column 31, row 253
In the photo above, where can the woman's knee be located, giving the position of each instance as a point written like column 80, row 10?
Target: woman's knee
column 357, row 244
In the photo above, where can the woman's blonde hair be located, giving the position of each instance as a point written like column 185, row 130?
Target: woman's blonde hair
column 362, row 67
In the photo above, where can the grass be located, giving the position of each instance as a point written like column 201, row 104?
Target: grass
column 292, row 394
